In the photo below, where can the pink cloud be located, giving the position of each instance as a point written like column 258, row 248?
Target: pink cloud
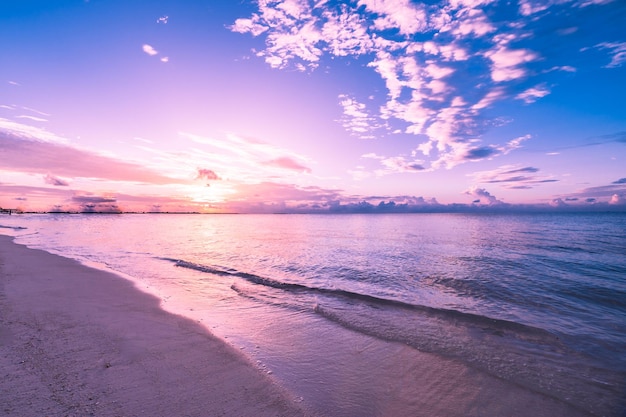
column 533, row 94
column 506, row 63
column 617, row 199
column 471, row 22
column 58, row 182
column 288, row 163
column 207, row 174
column 36, row 156
column 409, row 18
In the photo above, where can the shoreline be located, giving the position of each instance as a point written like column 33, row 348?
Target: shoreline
column 76, row 341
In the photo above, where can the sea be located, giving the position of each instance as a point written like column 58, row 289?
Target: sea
column 332, row 304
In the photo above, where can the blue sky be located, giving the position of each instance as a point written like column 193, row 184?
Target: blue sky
column 292, row 105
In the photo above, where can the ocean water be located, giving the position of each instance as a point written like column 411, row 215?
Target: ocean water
column 537, row 300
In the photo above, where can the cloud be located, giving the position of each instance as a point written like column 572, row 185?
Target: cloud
column 19, row 130
column 522, row 170
column 470, row 152
column 443, row 64
column 247, row 159
column 533, row 94
column 617, row 51
column 93, row 198
column 93, row 203
column 149, row 49
column 480, row 153
column 23, row 152
column 558, row 203
column 282, row 198
column 483, row 196
column 400, row 204
column 286, row 162
column 391, row 165
column 619, row 137
column 356, row 119
column 617, row 199
column 57, row 182
column 533, row 7
column 36, row 111
column 405, row 17
column 207, row 174
column 33, row 118
column 602, row 193
column 513, row 177
column 399, row 164
column 289, row 198
column 507, row 63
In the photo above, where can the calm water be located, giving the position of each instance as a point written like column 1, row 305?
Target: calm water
column 538, row 300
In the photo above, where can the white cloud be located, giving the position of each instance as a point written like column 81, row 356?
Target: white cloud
column 617, row 50
column 491, row 97
column 470, row 22
column 506, row 63
column 565, row 68
column 443, row 64
column 153, row 52
column 30, row 132
column 33, row 118
column 397, row 164
column 356, row 118
column 36, row 111
column 405, row 16
column 585, row 3
column 533, row 94
column 346, row 34
column 149, row 49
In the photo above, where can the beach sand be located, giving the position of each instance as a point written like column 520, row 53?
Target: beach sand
column 76, row 341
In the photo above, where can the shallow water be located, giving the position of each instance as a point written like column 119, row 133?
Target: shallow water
column 537, row 300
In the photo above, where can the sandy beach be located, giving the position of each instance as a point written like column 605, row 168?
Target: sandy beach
column 75, row 341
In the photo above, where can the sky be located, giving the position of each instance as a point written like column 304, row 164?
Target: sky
column 312, row 106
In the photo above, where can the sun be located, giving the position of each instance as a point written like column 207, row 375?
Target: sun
column 209, row 193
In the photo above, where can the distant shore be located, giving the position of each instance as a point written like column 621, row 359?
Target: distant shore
column 77, row 342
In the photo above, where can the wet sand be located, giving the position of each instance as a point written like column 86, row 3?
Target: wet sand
column 75, row 341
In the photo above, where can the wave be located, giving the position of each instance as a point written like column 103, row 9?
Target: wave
column 524, row 355
column 496, row 326
column 13, row 227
